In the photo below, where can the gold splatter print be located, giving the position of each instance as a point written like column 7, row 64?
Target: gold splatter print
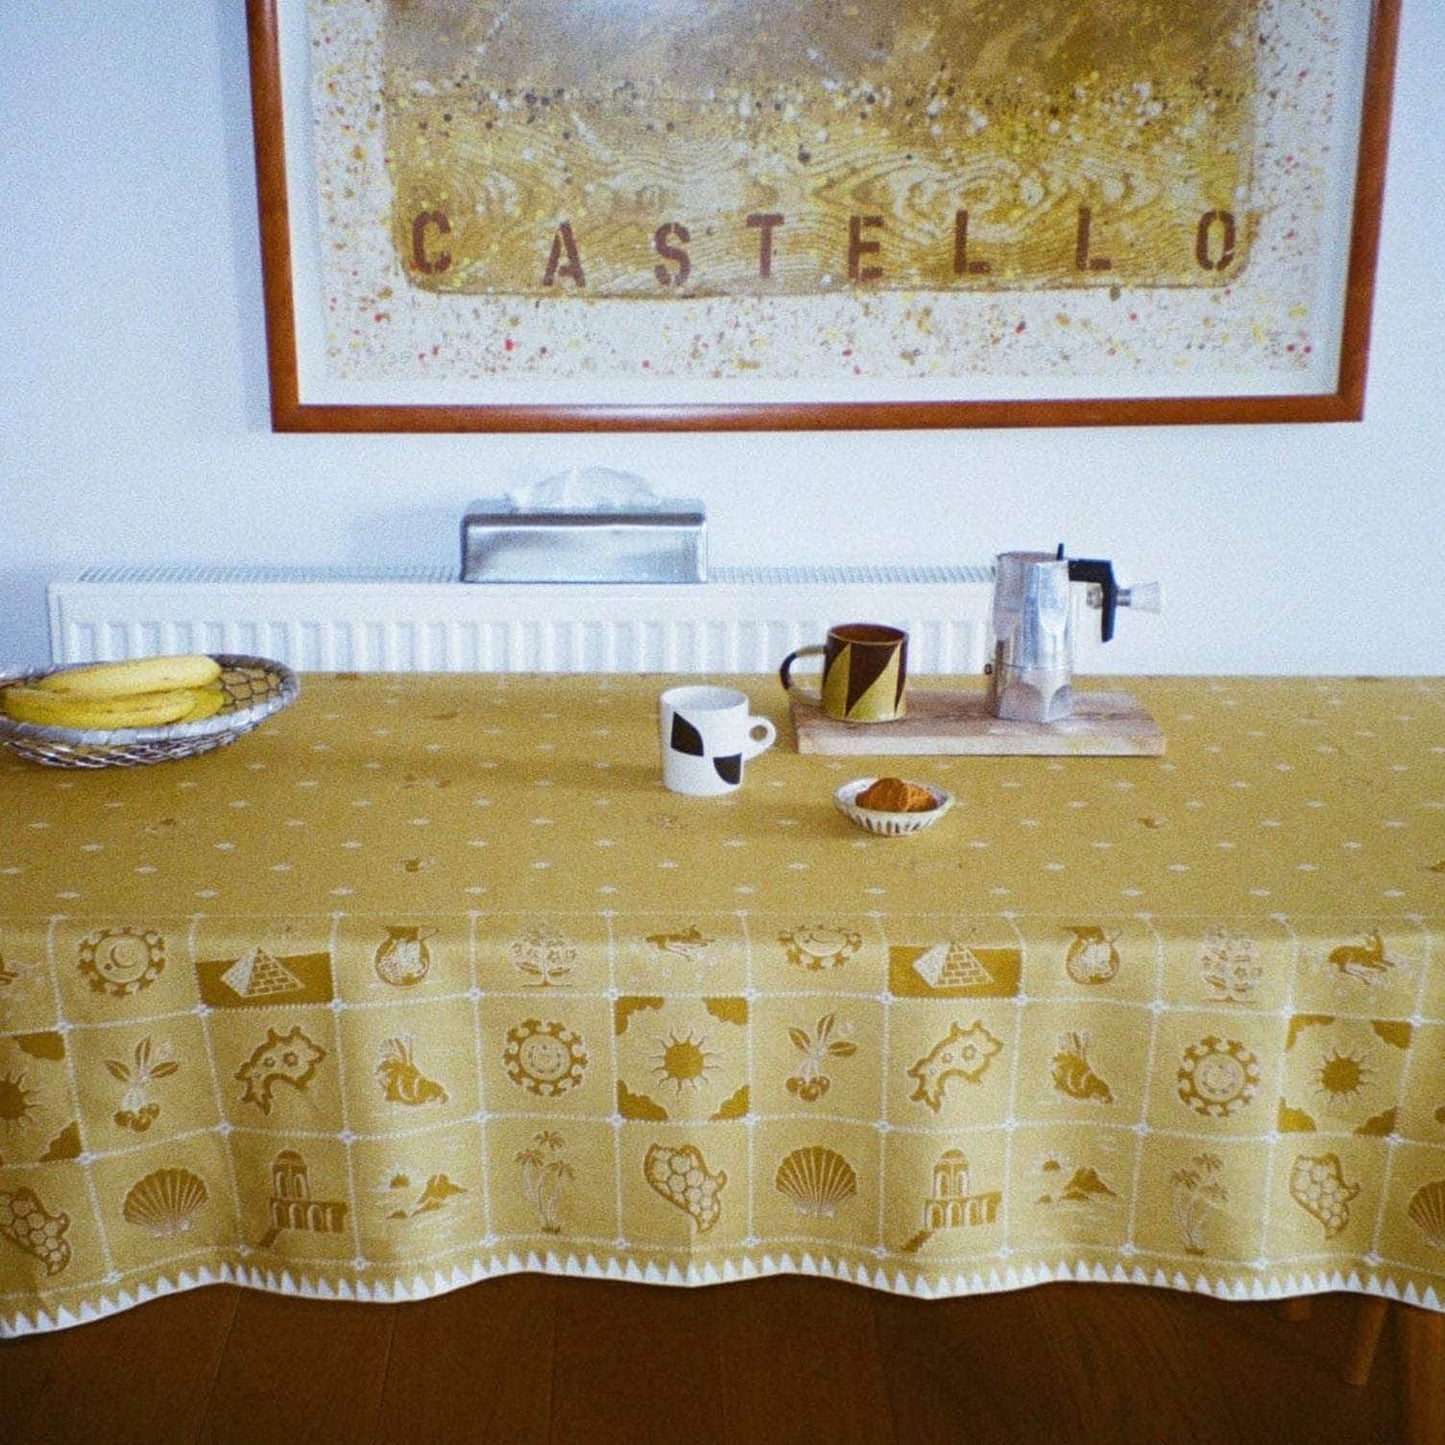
column 722, row 149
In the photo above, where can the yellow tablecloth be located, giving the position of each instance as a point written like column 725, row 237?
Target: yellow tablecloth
column 429, row 979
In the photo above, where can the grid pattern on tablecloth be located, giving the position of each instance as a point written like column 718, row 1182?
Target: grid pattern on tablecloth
column 931, row 1100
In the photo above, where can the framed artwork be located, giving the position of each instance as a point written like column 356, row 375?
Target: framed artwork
column 520, row 215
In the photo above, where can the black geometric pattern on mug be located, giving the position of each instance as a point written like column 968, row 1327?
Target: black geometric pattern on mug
column 686, row 738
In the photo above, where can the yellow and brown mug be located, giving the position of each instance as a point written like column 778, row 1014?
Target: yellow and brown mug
column 865, row 667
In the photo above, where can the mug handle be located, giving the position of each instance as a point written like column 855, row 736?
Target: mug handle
column 756, row 744
column 785, row 672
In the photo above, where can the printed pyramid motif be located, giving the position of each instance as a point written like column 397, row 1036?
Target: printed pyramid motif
column 257, row 974
column 951, row 965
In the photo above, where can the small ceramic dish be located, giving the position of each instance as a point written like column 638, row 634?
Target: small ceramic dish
column 887, row 824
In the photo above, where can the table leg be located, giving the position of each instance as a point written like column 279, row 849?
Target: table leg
column 1422, row 1348
column 1372, row 1312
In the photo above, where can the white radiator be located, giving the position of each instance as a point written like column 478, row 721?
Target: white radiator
column 743, row 619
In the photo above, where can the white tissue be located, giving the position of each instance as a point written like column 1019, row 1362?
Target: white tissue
column 584, row 489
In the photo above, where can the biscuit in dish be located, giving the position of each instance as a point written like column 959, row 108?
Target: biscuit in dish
column 894, row 795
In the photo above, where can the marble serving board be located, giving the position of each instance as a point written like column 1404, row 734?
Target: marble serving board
column 1103, row 724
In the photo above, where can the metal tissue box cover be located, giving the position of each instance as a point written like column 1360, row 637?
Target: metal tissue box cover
column 602, row 527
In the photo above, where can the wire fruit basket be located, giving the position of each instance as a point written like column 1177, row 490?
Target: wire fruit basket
column 254, row 688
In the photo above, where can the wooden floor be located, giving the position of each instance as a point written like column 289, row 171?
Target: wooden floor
column 534, row 1359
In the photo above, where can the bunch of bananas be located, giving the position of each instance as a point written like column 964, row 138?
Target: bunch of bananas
column 141, row 692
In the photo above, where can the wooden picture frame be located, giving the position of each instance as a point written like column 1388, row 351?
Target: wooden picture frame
column 458, row 235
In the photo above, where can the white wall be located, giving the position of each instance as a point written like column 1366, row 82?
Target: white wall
column 133, row 420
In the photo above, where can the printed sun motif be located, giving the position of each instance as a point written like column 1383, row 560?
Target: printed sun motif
column 683, row 1062
column 545, row 1059
column 122, row 961
column 1342, row 1075
column 816, row 946
column 17, row 1103
column 1217, row 1077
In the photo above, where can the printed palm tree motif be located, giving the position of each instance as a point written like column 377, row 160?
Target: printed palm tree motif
column 810, row 1083
column 545, row 1176
column 148, row 1063
column 1195, row 1193
column 545, row 957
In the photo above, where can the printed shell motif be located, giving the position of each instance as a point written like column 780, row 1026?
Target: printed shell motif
column 818, row 1180
column 166, row 1202
column 1427, row 1212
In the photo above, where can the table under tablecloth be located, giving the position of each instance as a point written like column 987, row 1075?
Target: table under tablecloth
column 429, row 979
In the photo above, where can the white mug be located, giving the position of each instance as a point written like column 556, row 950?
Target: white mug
column 707, row 735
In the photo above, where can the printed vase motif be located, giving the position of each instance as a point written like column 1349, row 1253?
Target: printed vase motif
column 1092, row 957
column 403, row 960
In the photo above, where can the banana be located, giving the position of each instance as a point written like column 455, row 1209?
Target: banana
column 208, row 701
column 134, row 675
column 53, row 709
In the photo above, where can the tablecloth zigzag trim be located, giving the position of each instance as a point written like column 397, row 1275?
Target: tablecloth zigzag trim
column 1271, row 1286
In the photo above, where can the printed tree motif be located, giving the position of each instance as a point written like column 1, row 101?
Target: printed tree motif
column 1195, row 1193
column 545, row 1176
column 547, row 958
column 810, row 1082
